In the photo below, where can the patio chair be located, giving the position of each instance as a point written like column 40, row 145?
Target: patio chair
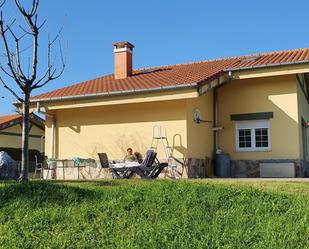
column 103, row 160
column 50, row 168
column 127, row 170
column 151, row 167
column 38, row 167
column 150, row 171
column 104, row 166
column 116, row 173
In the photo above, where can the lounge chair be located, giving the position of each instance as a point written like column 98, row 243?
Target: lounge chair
column 151, row 166
column 150, row 172
column 125, row 170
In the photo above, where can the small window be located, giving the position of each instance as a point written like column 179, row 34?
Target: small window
column 244, row 138
column 252, row 135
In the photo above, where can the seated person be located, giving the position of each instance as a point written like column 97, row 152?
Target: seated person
column 138, row 156
column 130, row 157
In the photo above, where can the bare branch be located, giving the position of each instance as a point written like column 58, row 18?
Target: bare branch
column 17, row 55
column 21, row 27
column 50, row 71
column 28, row 67
column 29, row 82
column 10, row 25
column 34, row 8
column 15, row 65
column 41, row 26
column 6, row 72
column 11, row 91
column 21, row 51
column 3, row 2
column 57, row 35
column 21, row 9
column 8, row 52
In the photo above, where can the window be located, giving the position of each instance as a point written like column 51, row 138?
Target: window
column 252, row 135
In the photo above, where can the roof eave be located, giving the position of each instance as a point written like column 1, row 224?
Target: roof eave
column 267, row 66
column 116, row 93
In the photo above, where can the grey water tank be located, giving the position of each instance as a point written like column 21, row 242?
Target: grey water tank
column 223, row 165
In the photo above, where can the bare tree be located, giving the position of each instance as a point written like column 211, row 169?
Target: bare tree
column 13, row 76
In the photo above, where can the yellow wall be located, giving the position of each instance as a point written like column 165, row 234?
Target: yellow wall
column 303, row 107
column 270, row 94
column 48, row 136
column 272, row 71
column 200, row 136
column 83, row 132
column 16, row 142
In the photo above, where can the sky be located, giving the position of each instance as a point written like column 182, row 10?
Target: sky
column 164, row 32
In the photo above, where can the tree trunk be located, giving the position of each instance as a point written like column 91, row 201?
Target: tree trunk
column 25, row 140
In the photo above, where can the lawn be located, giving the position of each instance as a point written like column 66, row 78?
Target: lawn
column 154, row 214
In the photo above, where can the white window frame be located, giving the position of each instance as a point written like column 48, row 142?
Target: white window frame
column 252, row 125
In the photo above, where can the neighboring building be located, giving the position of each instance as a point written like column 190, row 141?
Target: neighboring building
column 257, row 105
column 11, row 132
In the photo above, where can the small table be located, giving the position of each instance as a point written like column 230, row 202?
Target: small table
column 62, row 161
column 122, row 170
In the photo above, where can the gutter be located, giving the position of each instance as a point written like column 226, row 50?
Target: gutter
column 117, row 93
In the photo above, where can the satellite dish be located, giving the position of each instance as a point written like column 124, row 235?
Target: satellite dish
column 197, row 117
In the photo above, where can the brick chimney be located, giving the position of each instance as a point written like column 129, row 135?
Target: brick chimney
column 123, row 59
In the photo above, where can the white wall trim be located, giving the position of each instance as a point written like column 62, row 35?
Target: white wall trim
column 119, row 50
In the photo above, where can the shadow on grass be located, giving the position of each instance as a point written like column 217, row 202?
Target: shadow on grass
column 103, row 182
column 41, row 193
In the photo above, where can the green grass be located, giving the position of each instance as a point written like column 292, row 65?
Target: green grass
column 154, row 214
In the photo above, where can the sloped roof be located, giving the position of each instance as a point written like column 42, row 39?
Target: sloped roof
column 13, row 119
column 5, row 119
column 177, row 75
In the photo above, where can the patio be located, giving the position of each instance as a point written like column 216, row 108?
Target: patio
column 73, row 169
column 82, row 169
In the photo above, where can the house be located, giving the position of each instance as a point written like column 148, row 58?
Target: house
column 255, row 108
column 11, row 132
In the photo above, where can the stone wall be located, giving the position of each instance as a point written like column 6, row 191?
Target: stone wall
column 186, row 168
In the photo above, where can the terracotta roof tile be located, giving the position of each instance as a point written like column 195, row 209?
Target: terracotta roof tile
column 8, row 120
column 5, row 119
column 180, row 74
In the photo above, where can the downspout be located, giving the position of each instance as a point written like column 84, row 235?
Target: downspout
column 53, row 119
column 216, row 120
column 216, row 127
column 53, row 143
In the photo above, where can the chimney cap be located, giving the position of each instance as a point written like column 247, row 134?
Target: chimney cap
column 123, row 44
